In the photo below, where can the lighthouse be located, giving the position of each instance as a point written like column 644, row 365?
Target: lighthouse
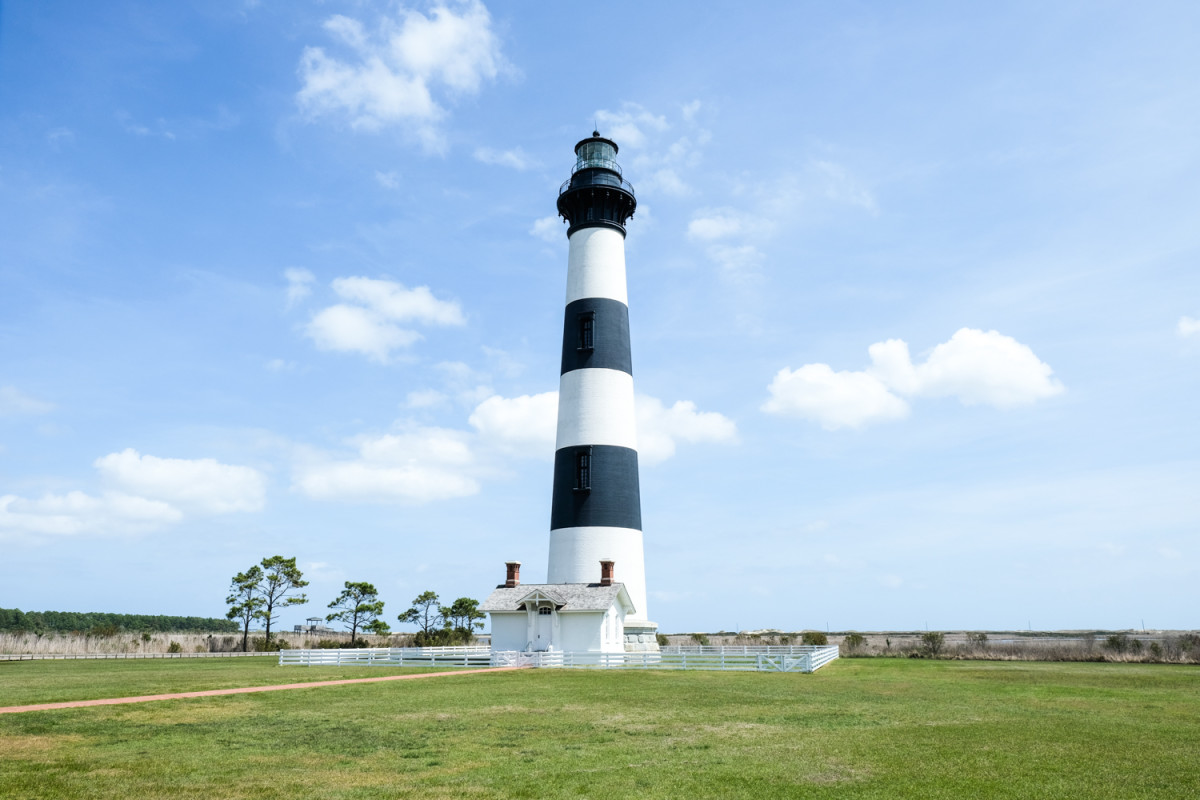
column 594, row 597
column 596, row 512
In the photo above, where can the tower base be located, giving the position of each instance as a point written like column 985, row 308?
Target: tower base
column 641, row 636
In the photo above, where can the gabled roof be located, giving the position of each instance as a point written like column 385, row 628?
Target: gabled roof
column 565, row 596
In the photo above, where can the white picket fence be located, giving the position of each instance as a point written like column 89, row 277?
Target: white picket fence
column 389, row 657
column 799, row 658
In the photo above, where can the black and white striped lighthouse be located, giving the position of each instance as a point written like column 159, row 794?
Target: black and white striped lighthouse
column 596, row 512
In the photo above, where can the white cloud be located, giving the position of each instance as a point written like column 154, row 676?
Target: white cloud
column 395, row 302
column 660, row 428
column 549, row 229
column 834, row 399
column 1188, row 326
column 975, row 366
column 371, row 327
column 418, row 466
column 388, row 180
column 522, row 425
column 77, row 513
column 986, row 367
column 393, row 71
column 149, row 493
column 515, row 158
column 14, row 402
column 299, row 284
column 203, row 485
column 690, row 110
column 358, row 330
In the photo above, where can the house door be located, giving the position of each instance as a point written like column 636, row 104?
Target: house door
column 543, row 629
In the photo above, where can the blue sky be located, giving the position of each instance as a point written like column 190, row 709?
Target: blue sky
column 913, row 288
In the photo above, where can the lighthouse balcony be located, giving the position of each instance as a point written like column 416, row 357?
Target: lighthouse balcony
column 589, row 179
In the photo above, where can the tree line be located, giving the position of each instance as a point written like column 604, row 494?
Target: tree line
column 98, row 623
column 259, row 593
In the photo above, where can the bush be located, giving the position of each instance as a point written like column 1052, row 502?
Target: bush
column 932, row 643
column 814, row 637
column 853, row 642
column 175, row 647
column 700, row 639
column 1118, row 643
column 979, row 639
column 662, row 640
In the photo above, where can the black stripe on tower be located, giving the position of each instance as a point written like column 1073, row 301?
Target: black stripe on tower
column 596, row 335
column 596, row 486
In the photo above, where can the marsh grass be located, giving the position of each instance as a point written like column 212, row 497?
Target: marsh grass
column 869, row 728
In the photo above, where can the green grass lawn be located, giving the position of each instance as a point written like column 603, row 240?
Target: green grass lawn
column 29, row 682
column 858, row 728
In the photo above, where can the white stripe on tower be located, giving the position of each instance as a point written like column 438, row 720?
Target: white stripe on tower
column 596, row 513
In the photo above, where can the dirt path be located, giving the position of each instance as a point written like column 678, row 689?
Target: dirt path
column 116, row 701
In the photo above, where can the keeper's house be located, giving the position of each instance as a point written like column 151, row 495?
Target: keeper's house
column 575, row 617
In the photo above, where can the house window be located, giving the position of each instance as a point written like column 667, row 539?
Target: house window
column 583, row 470
column 544, row 611
column 587, row 328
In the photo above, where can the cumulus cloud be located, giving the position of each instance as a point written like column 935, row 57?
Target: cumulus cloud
column 418, row 466
column 76, row 513
column 203, row 485
column 834, row 399
column 1188, row 326
column 393, row 71
column 147, row 493
column 523, row 425
column 977, row 367
column 661, row 428
column 299, row 284
column 548, row 229
column 516, row 158
column 370, row 325
column 14, row 402
column 629, row 126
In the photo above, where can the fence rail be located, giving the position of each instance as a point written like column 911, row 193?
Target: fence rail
column 800, row 658
column 73, row 656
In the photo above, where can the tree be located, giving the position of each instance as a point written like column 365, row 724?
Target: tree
column 244, row 599
column 281, row 578
column 425, row 613
column 358, row 606
column 464, row 616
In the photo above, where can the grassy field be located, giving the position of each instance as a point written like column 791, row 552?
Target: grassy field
column 870, row 728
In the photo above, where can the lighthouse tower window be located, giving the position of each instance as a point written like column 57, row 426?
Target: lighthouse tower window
column 587, row 328
column 583, row 470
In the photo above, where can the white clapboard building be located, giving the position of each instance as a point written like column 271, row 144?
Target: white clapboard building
column 575, row 617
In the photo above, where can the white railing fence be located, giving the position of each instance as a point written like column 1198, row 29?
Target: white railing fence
column 800, row 658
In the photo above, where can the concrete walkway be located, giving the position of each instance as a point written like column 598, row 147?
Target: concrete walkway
column 116, row 701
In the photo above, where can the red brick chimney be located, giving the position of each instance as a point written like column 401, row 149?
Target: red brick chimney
column 606, row 573
column 512, row 577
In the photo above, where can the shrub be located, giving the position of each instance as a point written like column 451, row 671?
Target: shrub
column 175, row 647
column 932, row 643
column 979, row 639
column 853, row 642
column 700, row 639
column 662, row 640
column 814, row 637
column 1118, row 643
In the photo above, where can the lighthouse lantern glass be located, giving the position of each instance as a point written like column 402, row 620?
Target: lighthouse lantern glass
column 595, row 154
